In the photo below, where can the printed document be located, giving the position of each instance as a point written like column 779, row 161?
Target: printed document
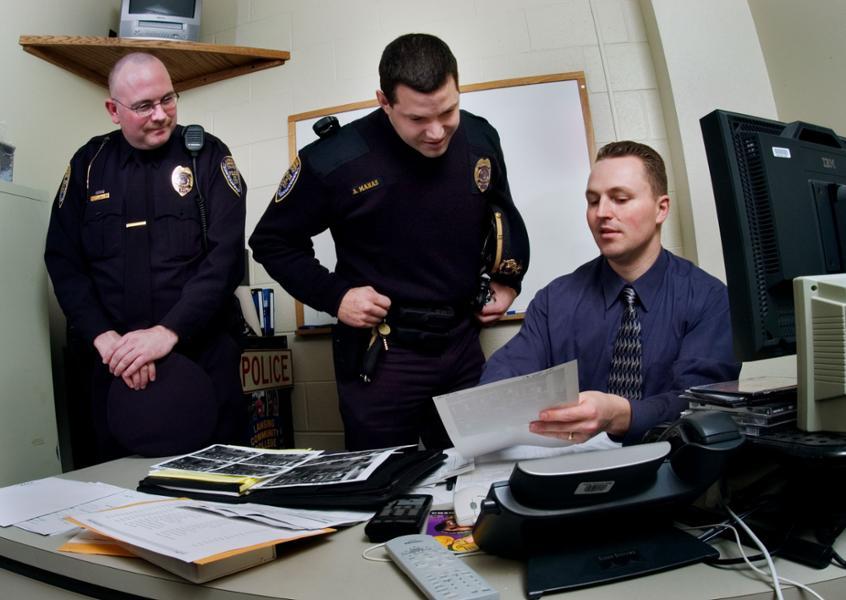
column 41, row 497
column 55, row 523
column 177, row 529
column 497, row 415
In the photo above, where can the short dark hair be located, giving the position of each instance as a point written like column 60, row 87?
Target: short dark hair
column 653, row 164
column 418, row 60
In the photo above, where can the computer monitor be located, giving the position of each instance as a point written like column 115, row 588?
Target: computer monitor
column 161, row 19
column 780, row 191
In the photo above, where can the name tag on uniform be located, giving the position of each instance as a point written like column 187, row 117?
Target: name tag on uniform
column 369, row 185
column 99, row 196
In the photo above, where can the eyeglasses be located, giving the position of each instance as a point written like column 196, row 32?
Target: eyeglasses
column 148, row 107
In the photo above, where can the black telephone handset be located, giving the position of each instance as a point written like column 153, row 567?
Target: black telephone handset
column 700, row 442
column 194, row 138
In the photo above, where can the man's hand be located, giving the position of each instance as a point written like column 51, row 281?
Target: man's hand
column 363, row 307
column 105, row 344
column 501, row 298
column 137, row 350
column 593, row 413
column 140, row 378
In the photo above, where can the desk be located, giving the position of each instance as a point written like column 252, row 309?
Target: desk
column 331, row 567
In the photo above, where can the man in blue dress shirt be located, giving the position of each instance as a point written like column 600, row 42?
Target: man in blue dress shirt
column 685, row 329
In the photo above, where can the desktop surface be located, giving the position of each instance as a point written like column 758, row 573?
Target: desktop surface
column 332, row 567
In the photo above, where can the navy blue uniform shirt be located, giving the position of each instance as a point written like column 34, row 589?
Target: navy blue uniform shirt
column 686, row 334
column 409, row 225
column 191, row 290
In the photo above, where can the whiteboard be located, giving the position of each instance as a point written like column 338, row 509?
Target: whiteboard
column 547, row 139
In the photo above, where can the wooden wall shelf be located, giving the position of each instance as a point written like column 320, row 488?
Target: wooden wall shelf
column 191, row 64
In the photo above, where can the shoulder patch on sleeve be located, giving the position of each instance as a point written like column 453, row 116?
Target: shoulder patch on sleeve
column 231, row 174
column 288, row 180
column 63, row 188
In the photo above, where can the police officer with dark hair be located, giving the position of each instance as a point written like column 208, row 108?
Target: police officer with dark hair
column 409, row 193
column 145, row 248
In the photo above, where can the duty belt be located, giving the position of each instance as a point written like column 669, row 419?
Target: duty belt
column 427, row 328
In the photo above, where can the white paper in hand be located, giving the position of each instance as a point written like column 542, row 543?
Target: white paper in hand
column 497, row 415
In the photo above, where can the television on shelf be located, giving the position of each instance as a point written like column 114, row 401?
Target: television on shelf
column 780, row 192
column 161, row 19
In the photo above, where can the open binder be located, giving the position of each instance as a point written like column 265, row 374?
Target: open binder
column 394, row 476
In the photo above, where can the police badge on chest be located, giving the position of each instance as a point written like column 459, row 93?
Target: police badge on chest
column 182, row 180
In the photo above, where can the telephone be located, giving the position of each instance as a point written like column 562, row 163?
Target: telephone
column 194, row 138
column 594, row 517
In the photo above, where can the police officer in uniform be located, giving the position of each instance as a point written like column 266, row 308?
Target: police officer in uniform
column 408, row 192
column 145, row 248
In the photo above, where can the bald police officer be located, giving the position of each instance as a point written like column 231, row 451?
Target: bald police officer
column 407, row 193
column 139, row 267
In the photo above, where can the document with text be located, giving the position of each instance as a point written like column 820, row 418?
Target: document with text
column 179, row 529
column 496, row 415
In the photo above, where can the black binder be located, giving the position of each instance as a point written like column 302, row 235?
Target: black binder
column 394, row 476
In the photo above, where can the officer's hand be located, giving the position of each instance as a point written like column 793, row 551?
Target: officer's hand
column 579, row 421
column 501, row 298
column 141, row 377
column 105, row 344
column 363, row 307
column 141, row 347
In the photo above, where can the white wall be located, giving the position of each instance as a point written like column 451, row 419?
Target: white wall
column 48, row 112
column 708, row 57
column 803, row 44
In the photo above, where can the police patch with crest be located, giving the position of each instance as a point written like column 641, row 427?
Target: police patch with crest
column 288, row 180
column 63, row 188
column 231, row 174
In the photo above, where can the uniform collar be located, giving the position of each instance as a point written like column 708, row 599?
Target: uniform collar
column 153, row 157
column 646, row 286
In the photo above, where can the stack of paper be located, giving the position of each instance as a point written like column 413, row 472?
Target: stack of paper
column 196, row 540
column 182, row 537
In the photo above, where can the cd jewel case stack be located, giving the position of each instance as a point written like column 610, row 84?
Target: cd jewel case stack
column 759, row 405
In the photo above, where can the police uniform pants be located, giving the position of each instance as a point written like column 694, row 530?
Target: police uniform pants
column 396, row 407
column 219, row 357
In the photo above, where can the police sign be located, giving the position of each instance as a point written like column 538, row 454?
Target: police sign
column 266, row 369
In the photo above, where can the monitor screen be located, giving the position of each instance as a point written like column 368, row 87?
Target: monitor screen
column 780, row 191
column 167, row 8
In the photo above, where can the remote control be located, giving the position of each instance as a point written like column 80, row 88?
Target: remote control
column 438, row 573
column 401, row 516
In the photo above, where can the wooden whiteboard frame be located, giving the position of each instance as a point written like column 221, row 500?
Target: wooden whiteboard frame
column 577, row 76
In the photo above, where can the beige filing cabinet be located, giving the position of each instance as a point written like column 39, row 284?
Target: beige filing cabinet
column 28, row 438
